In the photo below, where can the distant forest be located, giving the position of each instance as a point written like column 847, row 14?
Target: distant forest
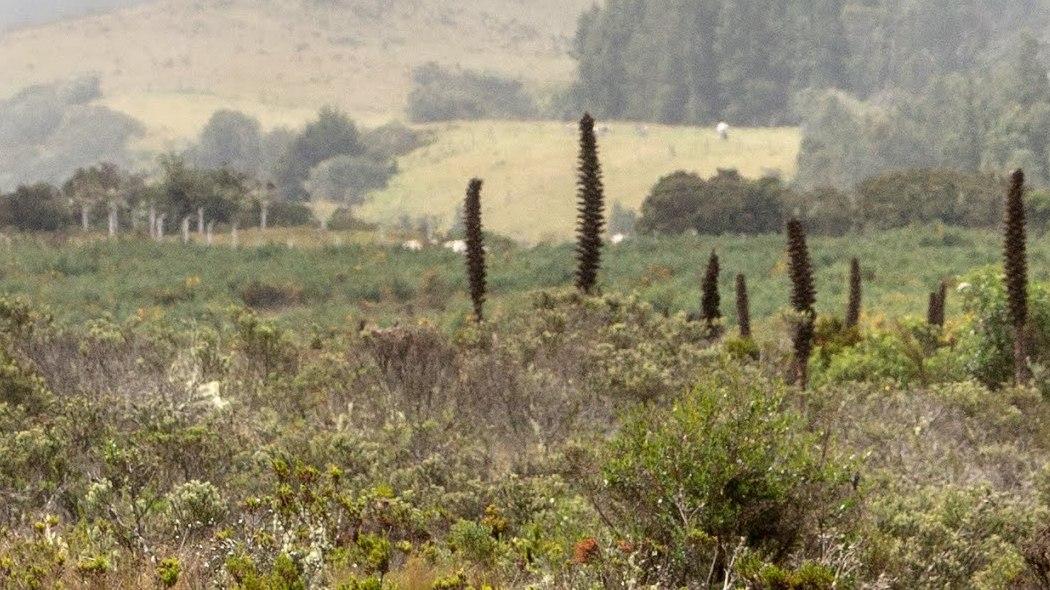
column 876, row 84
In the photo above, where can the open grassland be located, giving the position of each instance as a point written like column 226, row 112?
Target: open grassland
column 289, row 54
column 336, row 280
column 529, row 169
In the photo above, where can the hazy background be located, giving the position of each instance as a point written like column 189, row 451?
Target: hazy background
column 820, row 93
column 17, row 13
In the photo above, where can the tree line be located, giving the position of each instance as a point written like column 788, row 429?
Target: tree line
column 698, row 61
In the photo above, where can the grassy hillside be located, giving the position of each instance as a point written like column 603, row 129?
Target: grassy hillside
column 283, row 55
column 343, row 281
column 529, row 169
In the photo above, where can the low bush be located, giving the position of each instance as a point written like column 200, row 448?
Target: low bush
column 730, row 463
column 447, row 94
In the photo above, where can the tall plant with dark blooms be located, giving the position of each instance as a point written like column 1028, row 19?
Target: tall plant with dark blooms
column 590, row 209
column 938, row 300
column 1015, row 265
column 710, row 300
column 475, row 254
column 743, row 307
column 855, row 295
column 803, row 299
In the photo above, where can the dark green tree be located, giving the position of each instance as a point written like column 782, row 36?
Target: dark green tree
column 710, row 300
column 475, row 254
column 332, row 134
column 803, row 299
column 590, row 209
column 743, row 307
column 1015, row 265
column 855, row 295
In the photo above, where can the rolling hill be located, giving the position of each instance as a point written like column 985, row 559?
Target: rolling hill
column 170, row 63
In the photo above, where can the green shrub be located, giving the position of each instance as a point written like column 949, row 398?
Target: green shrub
column 20, row 386
column 196, row 504
column 473, row 540
column 986, row 338
column 949, row 537
column 908, row 351
column 168, row 572
column 449, row 94
column 730, row 460
column 726, row 203
column 40, row 207
column 279, row 214
column 343, row 220
column 919, row 196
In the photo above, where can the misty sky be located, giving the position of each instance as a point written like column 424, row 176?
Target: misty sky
column 14, row 13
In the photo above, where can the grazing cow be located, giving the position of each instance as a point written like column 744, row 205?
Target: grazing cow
column 618, row 239
column 457, row 246
column 413, row 245
column 723, row 130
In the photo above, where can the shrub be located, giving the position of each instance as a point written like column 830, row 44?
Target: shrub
column 260, row 295
column 446, row 94
column 343, row 219
column 986, row 339
column 917, row 196
column 949, row 538
column 279, row 214
column 168, row 572
column 196, row 504
column 729, row 460
column 474, row 540
column 726, row 203
column 39, row 207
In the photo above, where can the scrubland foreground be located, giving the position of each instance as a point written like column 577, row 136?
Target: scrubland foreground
column 575, row 442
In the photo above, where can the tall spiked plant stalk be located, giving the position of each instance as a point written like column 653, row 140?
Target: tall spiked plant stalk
column 803, row 299
column 1015, row 264
column 855, row 295
column 475, row 254
column 710, row 300
column 590, row 209
column 938, row 301
column 743, row 307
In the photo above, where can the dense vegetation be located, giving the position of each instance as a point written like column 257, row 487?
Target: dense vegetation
column 445, row 94
column 304, row 277
column 728, row 203
column 574, row 441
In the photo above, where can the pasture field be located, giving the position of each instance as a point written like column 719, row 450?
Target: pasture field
column 354, row 54
column 529, row 169
column 305, row 277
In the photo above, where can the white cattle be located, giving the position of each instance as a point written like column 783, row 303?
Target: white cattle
column 723, row 130
column 413, row 245
column 457, row 246
column 618, row 239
